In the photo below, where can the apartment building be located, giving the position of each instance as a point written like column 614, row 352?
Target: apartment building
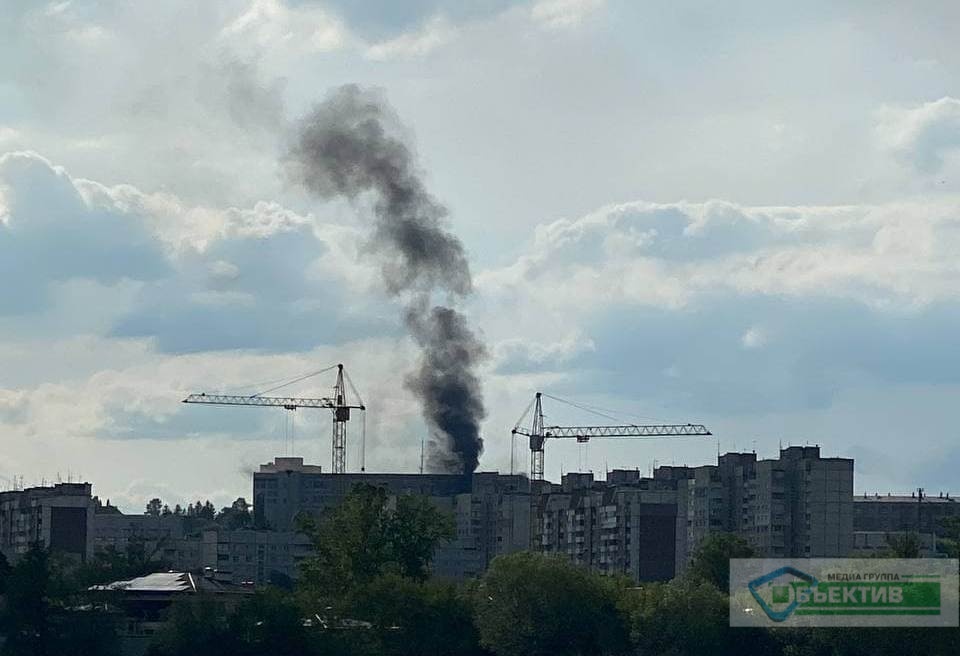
column 625, row 525
column 491, row 511
column 57, row 517
column 876, row 516
column 798, row 505
column 248, row 556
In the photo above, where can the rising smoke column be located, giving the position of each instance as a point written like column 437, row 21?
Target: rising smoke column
column 349, row 146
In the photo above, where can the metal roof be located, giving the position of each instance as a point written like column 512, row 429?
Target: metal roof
column 158, row 582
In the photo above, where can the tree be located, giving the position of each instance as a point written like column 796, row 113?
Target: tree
column 207, row 511
column 194, row 625
column 903, row 545
column 269, row 623
column 46, row 614
column 5, row 570
column 26, row 618
column 154, row 507
column 178, row 510
column 166, row 512
column 711, row 561
column 949, row 540
column 415, row 618
column 363, row 538
column 111, row 564
column 414, row 530
column 236, row 515
column 539, row 605
column 685, row 617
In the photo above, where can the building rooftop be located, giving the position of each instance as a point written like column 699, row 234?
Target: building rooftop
column 901, row 498
column 167, row 583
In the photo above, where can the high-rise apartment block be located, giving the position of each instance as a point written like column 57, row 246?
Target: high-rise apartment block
column 799, row 505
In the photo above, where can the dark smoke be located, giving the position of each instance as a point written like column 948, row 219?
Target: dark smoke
column 350, row 146
column 446, row 383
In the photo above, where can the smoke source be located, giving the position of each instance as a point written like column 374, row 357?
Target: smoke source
column 350, row 146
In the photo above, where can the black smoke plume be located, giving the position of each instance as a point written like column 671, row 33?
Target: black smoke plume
column 351, row 146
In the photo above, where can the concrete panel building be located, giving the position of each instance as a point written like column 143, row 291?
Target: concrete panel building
column 57, row 517
column 877, row 517
column 248, row 556
column 490, row 510
column 625, row 525
column 799, row 505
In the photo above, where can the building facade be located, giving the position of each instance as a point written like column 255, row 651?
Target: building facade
column 491, row 511
column 878, row 517
column 797, row 506
column 257, row 557
column 625, row 525
column 57, row 517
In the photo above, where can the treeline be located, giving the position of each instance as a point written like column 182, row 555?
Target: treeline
column 368, row 591
column 237, row 515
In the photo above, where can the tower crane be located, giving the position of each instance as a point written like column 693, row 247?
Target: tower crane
column 539, row 432
column 338, row 404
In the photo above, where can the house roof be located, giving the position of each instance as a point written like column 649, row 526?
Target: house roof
column 158, row 582
column 173, row 583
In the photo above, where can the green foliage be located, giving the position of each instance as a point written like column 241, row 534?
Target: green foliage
column 5, row 570
column 949, row 541
column 537, row 605
column 42, row 614
column 414, row 530
column 110, row 564
column 195, row 625
column 905, row 545
column 235, row 516
column 413, row 618
column 364, row 538
column 684, row 617
column 867, row 641
column 711, row 561
column 269, row 623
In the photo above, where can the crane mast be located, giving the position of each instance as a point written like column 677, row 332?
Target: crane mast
column 338, row 404
column 538, row 433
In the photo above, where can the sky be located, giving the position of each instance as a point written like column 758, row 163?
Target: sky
column 744, row 214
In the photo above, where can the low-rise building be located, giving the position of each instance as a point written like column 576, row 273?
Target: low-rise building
column 878, row 518
column 257, row 557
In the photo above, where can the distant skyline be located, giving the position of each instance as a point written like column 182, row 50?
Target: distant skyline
column 745, row 215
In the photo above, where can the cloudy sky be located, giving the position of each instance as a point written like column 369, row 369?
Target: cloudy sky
column 746, row 215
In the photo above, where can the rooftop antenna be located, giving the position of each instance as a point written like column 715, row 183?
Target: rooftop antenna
column 421, row 453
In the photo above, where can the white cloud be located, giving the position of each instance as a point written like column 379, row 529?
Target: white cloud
column 563, row 14
column 925, row 135
column 755, row 337
column 900, row 254
column 436, row 33
column 270, row 24
column 516, row 354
